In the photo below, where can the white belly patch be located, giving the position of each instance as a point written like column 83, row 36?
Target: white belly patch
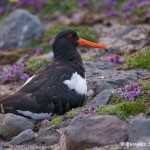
column 77, row 83
column 35, row 116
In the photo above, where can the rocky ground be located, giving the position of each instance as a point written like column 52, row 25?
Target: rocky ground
column 91, row 131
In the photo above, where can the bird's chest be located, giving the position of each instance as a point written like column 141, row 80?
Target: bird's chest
column 77, row 83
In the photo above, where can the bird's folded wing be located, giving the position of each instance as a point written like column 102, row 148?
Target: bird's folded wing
column 44, row 89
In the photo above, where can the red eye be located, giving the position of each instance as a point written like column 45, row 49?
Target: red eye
column 70, row 35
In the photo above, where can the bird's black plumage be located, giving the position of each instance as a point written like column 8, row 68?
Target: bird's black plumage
column 46, row 91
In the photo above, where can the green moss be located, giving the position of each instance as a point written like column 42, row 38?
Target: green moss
column 83, row 31
column 35, row 63
column 117, row 99
column 72, row 113
column 56, row 121
column 145, row 85
column 122, row 110
column 139, row 60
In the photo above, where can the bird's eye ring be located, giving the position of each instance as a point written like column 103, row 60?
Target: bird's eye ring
column 70, row 35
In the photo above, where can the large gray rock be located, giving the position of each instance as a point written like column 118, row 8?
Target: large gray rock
column 103, row 75
column 11, row 125
column 24, row 136
column 18, row 30
column 139, row 128
column 86, row 131
column 102, row 98
column 47, row 136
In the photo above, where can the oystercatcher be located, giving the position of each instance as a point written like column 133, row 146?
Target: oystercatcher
column 57, row 87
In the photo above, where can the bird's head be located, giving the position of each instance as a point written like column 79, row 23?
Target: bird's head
column 70, row 37
column 66, row 42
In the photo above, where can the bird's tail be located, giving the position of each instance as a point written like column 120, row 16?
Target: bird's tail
column 8, row 103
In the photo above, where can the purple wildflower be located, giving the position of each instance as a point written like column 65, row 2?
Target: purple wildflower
column 38, row 50
column 110, row 2
column 128, row 7
column 110, row 12
column 8, row 75
column 37, row 4
column 144, row 3
column 115, row 58
column 15, row 69
column 2, row 10
column 24, row 77
column 100, row 5
column 23, row 65
column 129, row 92
column 92, row 108
column 127, row 16
column 51, row 41
column 148, row 14
column 83, row 3
column 44, row 122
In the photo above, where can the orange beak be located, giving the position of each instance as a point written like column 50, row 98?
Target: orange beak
column 91, row 44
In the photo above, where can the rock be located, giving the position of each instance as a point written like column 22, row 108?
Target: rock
column 103, row 98
column 139, row 128
column 19, row 29
column 11, row 125
column 123, row 32
column 142, row 144
column 24, row 136
column 106, row 31
column 102, row 75
column 89, row 95
column 47, row 136
column 77, row 18
column 132, row 40
column 1, row 147
column 86, row 131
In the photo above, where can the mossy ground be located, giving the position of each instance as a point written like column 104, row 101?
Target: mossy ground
column 83, row 32
column 56, row 121
column 122, row 110
column 35, row 64
column 139, row 60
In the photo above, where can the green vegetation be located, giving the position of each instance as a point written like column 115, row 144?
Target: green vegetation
column 56, row 121
column 72, row 113
column 122, row 110
column 145, row 85
column 139, row 60
column 83, row 31
column 62, row 6
column 34, row 64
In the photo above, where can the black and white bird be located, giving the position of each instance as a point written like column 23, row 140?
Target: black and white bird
column 57, row 87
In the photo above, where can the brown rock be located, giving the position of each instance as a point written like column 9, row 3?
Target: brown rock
column 88, row 131
column 48, row 137
column 11, row 125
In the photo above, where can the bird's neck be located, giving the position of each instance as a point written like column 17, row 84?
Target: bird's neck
column 67, row 54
